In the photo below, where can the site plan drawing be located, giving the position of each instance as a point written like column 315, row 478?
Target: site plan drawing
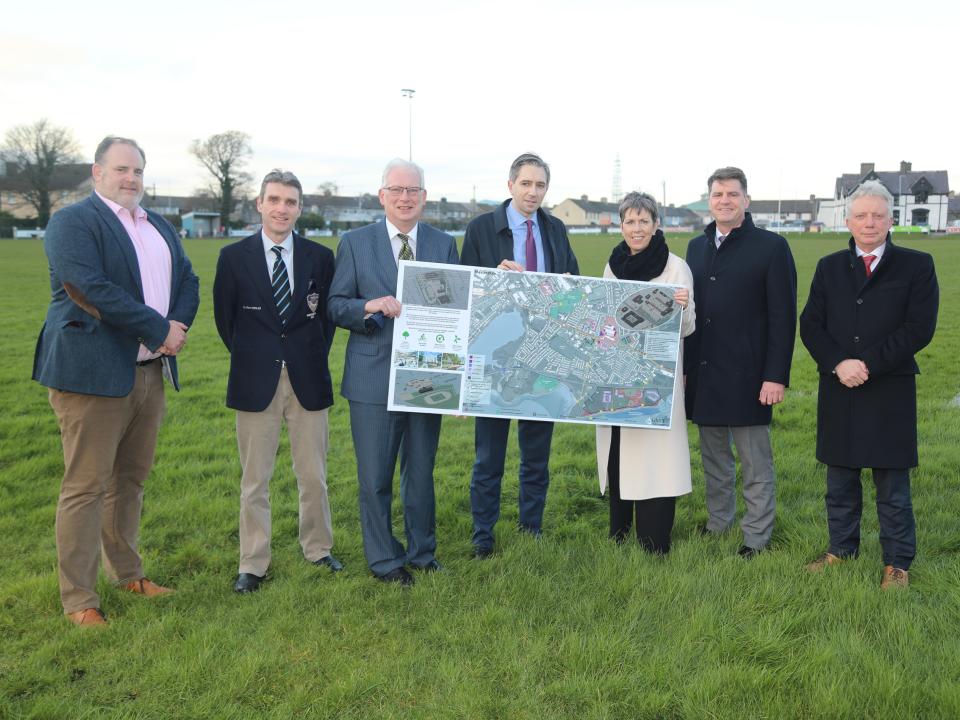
column 538, row 346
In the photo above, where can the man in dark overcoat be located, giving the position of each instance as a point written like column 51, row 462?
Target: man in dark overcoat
column 871, row 308
column 737, row 362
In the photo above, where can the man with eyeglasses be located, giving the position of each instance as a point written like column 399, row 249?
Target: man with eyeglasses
column 363, row 300
column 517, row 236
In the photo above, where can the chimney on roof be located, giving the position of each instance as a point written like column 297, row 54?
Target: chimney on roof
column 812, row 197
column 866, row 168
column 603, row 199
column 905, row 166
column 583, row 197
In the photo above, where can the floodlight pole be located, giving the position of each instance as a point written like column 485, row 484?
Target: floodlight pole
column 408, row 93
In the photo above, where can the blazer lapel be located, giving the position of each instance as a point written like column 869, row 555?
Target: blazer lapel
column 383, row 255
column 122, row 239
column 257, row 268
column 301, row 271
column 426, row 247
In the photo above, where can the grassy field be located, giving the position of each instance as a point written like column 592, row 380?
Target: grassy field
column 570, row 626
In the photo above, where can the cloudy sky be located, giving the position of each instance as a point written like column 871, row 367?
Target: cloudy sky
column 793, row 93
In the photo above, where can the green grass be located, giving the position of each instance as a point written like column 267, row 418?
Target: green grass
column 571, row 626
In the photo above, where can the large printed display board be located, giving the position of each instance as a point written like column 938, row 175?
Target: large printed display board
column 538, row 346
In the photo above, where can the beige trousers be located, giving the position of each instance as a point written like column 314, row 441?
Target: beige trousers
column 108, row 449
column 258, row 436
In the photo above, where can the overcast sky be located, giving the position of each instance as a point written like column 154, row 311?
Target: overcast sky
column 795, row 95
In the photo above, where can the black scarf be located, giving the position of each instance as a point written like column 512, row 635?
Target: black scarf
column 645, row 265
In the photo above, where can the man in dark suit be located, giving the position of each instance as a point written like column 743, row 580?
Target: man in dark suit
column 737, row 362
column 363, row 300
column 871, row 308
column 123, row 296
column 270, row 306
column 518, row 236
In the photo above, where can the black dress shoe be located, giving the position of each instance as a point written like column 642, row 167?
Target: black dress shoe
column 397, row 575
column 748, row 553
column 331, row 562
column 482, row 552
column 432, row 566
column 248, row 583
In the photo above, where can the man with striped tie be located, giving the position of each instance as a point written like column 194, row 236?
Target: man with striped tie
column 270, row 306
column 363, row 301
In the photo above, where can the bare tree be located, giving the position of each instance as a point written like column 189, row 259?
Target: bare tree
column 328, row 188
column 37, row 150
column 224, row 156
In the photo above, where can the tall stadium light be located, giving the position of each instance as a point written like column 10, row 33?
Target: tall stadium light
column 408, row 93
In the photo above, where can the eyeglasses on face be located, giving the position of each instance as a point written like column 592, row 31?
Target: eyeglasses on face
column 398, row 190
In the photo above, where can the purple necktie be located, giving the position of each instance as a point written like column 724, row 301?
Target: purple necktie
column 531, row 248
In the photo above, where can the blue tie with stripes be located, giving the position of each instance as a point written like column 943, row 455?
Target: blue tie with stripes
column 281, row 285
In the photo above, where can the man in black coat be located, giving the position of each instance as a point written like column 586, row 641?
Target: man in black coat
column 737, row 362
column 871, row 308
column 517, row 236
column 270, row 306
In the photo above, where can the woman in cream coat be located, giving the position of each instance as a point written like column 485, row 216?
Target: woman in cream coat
column 647, row 469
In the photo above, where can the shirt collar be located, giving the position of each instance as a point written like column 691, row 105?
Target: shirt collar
column 877, row 252
column 287, row 243
column 393, row 231
column 138, row 212
column 515, row 218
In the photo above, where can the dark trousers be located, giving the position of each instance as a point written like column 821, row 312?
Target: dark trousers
column 654, row 516
column 490, row 437
column 898, row 530
column 379, row 437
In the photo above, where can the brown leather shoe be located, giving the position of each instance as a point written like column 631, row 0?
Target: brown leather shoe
column 88, row 617
column 894, row 577
column 828, row 558
column 147, row 588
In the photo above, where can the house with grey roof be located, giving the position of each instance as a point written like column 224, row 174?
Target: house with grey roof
column 583, row 212
column 920, row 197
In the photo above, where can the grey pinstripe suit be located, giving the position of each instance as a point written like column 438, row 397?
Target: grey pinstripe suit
column 366, row 269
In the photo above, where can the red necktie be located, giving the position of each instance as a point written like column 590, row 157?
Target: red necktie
column 531, row 248
column 867, row 262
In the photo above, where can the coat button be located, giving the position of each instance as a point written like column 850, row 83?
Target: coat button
column 283, row 336
column 708, row 321
column 856, row 338
column 859, row 301
column 703, row 362
column 712, row 278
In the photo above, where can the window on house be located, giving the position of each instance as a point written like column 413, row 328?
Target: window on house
column 921, row 196
column 920, row 216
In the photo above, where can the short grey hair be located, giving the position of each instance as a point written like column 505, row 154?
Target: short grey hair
column 401, row 164
column 728, row 173
column 528, row 158
column 639, row 201
column 109, row 141
column 870, row 188
column 284, row 177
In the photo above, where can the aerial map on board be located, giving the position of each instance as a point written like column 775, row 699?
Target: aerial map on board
column 478, row 341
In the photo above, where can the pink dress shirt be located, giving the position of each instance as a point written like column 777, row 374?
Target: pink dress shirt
column 153, row 257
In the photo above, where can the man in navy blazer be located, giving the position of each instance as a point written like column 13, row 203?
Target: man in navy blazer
column 871, row 308
column 123, row 294
column 363, row 300
column 518, row 236
column 270, row 306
